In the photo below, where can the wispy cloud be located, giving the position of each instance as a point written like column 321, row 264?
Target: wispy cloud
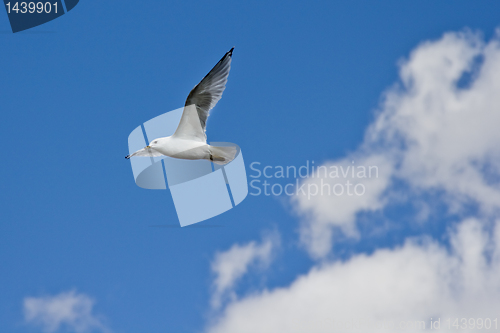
column 231, row 265
column 68, row 310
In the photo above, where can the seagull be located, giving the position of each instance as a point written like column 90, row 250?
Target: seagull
column 190, row 140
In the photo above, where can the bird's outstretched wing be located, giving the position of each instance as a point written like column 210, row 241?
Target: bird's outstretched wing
column 202, row 99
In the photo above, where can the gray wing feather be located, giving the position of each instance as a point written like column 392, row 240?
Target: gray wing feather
column 209, row 91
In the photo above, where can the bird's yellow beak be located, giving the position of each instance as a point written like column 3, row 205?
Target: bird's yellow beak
column 148, row 146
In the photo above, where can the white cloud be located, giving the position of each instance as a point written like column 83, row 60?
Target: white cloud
column 447, row 134
column 410, row 284
column 231, row 265
column 434, row 135
column 68, row 310
column 430, row 133
column 322, row 211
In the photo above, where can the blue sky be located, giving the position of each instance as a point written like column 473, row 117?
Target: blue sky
column 305, row 82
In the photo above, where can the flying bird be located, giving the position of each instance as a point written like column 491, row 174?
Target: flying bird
column 190, row 140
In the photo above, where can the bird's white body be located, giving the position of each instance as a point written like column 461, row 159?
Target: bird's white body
column 182, row 148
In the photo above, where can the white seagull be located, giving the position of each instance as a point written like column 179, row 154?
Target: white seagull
column 190, row 140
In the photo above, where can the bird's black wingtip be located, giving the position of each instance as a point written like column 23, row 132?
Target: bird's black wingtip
column 127, row 157
column 231, row 51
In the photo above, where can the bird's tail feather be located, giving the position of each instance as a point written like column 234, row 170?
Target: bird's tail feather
column 222, row 155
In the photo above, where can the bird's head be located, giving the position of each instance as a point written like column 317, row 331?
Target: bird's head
column 156, row 145
column 158, row 142
column 153, row 143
